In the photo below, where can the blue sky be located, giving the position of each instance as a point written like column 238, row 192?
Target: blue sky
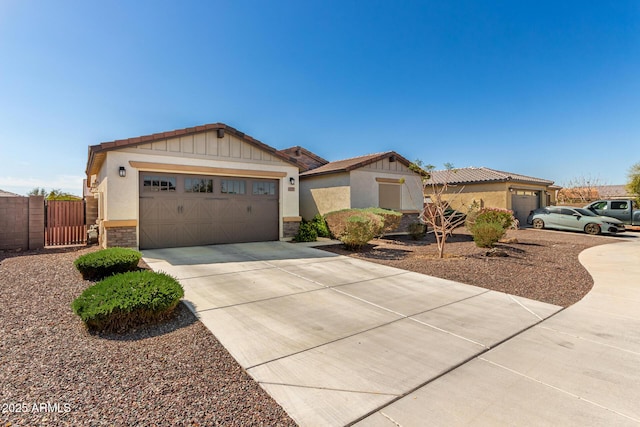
column 543, row 88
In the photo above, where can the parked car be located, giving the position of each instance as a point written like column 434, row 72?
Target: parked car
column 576, row 219
column 625, row 210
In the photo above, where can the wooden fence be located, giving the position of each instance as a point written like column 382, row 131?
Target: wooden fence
column 65, row 223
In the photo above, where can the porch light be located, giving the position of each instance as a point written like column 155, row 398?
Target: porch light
column 292, row 181
column 122, row 172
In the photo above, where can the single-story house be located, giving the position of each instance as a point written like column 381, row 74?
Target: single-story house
column 382, row 180
column 493, row 188
column 195, row 186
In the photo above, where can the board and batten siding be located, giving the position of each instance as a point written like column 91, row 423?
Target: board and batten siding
column 208, row 145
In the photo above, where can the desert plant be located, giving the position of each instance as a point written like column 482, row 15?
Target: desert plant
column 103, row 263
column 391, row 218
column 360, row 229
column 417, row 230
column 385, row 220
column 504, row 217
column 320, row 226
column 128, row 300
column 487, row 234
column 306, row 232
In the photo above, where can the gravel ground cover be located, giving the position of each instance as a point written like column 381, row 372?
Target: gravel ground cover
column 55, row 373
column 541, row 265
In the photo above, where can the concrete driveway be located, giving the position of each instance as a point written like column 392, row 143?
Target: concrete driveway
column 337, row 340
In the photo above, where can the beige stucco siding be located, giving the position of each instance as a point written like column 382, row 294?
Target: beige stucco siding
column 490, row 195
column 323, row 194
column 364, row 188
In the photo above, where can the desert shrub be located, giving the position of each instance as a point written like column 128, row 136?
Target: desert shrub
column 387, row 220
column 360, row 229
column 106, row 262
column 320, row 225
column 487, row 234
column 391, row 218
column 417, row 230
column 127, row 300
column 504, row 217
column 306, row 232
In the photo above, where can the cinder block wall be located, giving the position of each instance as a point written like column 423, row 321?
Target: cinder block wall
column 21, row 223
column 36, row 222
column 14, row 223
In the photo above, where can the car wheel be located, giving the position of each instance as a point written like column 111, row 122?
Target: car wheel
column 538, row 223
column 592, row 229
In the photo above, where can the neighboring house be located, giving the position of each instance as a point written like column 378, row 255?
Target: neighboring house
column 376, row 180
column 8, row 194
column 614, row 192
column 195, row 186
column 497, row 189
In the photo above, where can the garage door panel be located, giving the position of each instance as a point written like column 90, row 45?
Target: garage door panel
column 186, row 218
column 522, row 204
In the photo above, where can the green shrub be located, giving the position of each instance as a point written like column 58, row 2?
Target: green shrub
column 360, row 229
column 321, row 226
column 487, row 234
column 103, row 263
column 391, row 219
column 388, row 220
column 127, row 300
column 417, row 230
column 504, row 217
column 306, row 232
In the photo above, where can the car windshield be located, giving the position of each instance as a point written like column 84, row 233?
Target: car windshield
column 585, row 212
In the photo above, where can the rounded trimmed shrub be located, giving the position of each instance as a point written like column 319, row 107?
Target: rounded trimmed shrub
column 123, row 301
column 106, row 262
column 487, row 234
column 306, row 232
column 391, row 219
column 360, row 229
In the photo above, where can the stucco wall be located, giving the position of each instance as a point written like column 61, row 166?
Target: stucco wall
column 229, row 155
column 489, row 195
column 323, row 194
column 364, row 188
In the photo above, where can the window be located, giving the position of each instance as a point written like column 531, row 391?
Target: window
column 231, row 186
column 569, row 212
column 158, row 183
column 526, row 193
column 197, row 185
column 600, row 205
column 264, row 188
column 619, row 205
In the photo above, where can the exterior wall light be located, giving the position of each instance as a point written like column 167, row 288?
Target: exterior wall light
column 292, row 181
column 122, row 171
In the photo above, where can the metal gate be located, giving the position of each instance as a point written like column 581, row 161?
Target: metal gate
column 65, row 223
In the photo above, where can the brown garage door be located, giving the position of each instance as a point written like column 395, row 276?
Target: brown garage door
column 187, row 210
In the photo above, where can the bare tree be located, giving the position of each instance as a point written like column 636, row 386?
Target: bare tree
column 436, row 212
column 581, row 189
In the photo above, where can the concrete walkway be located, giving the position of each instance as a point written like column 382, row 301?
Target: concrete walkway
column 338, row 341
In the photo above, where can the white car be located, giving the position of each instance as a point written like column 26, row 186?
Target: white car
column 574, row 219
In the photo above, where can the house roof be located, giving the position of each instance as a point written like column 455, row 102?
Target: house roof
column 473, row 175
column 97, row 153
column 8, row 194
column 612, row 191
column 347, row 165
column 305, row 159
